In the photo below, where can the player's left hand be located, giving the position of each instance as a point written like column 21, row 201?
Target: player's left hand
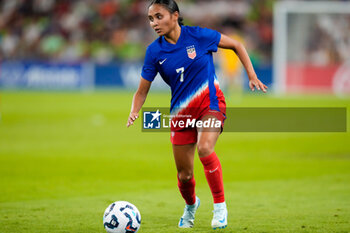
column 256, row 83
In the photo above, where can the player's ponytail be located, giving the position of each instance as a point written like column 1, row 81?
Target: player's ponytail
column 180, row 21
column 171, row 6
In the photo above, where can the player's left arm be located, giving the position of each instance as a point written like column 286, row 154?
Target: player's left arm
column 229, row 43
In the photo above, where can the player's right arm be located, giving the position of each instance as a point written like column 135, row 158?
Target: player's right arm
column 138, row 100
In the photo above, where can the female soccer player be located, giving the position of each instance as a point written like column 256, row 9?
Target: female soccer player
column 183, row 57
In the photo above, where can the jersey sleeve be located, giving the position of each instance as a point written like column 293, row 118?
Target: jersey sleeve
column 209, row 39
column 149, row 69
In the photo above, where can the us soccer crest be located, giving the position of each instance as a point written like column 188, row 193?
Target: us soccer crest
column 191, row 51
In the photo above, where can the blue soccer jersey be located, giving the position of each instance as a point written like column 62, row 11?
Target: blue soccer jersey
column 187, row 66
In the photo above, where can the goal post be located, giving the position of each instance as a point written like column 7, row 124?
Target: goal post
column 311, row 50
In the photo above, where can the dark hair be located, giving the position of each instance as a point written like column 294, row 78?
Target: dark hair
column 171, row 6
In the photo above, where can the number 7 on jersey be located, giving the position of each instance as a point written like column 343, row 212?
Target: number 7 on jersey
column 182, row 70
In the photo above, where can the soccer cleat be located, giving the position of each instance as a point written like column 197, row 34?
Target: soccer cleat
column 220, row 216
column 187, row 219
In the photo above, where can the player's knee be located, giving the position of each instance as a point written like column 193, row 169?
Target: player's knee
column 204, row 149
column 184, row 177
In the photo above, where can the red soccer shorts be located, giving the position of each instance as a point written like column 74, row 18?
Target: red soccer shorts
column 189, row 135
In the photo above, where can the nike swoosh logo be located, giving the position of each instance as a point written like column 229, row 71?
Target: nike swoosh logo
column 211, row 171
column 161, row 62
column 181, row 222
column 222, row 221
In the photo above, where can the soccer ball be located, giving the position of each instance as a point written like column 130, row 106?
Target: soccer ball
column 121, row 217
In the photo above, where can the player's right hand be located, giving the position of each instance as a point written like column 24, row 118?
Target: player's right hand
column 132, row 117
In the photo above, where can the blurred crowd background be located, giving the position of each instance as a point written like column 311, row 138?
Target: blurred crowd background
column 105, row 31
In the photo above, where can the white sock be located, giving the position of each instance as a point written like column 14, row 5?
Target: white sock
column 221, row 205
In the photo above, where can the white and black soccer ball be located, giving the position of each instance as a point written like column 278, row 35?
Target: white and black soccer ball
column 122, row 217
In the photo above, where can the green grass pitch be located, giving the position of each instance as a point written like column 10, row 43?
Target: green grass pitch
column 65, row 156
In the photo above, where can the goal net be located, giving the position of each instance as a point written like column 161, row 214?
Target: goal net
column 312, row 47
